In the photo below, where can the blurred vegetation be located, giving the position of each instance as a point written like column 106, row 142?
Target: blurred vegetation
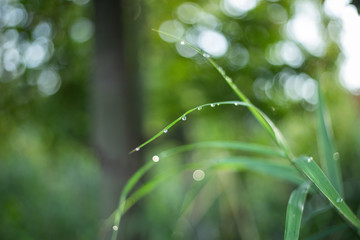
column 49, row 177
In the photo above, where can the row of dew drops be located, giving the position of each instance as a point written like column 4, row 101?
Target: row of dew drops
column 184, row 117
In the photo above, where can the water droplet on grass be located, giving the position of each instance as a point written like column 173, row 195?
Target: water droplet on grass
column 206, row 55
column 115, row 228
column 228, row 79
column 309, row 159
column 339, row 200
column 236, row 104
column 183, row 118
column 336, row 156
column 137, row 149
column 165, row 130
column 221, row 70
column 199, row 108
column 155, row 158
column 182, row 43
column 212, row 105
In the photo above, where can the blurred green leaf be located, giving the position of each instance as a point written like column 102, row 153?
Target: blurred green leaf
column 326, row 146
column 242, row 146
column 294, row 211
column 309, row 167
column 278, row 170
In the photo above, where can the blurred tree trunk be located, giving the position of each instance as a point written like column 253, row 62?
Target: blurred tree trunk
column 116, row 96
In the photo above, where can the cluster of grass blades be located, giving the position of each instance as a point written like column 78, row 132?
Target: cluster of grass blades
column 302, row 170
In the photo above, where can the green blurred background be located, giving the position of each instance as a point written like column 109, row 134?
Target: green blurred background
column 84, row 82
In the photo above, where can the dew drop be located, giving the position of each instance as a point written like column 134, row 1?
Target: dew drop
column 198, row 175
column 339, row 200
column 182, row 43
column 199, row 108
column 236, row 104
column 221, row 70
column 137, row 149
column 183, row 118
column 165, row 130
column 212, row 105
column 228, row 79
column 115, row 228
column 206, row 55
column 155, row 158
column 309, row 159
column 336, row 156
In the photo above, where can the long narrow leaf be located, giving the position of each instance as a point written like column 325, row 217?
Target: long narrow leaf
column 278, row 170
column 126, row 190
column 259, row 115
column 184, row 116
column 274, row 131
column 294, row 211
column 328, row 232
column 242, row 146
column 326, row 146
column 309, row 167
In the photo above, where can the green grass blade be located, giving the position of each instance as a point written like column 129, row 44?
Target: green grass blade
column 278, row 170
column 326, row 146
column 316, row 212
column 309, row 167
column 294, row 211
column 180, row 118
column 260, row 116
column 241, row 146
column 274, row 131
column 125, row 192
column 325, row 234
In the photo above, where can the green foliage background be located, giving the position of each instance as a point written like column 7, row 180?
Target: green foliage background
column 49, row 178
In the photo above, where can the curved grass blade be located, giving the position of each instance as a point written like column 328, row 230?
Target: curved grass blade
column 328, row 232
column 294, row 211
column 242, row 146
column 316, row 212
column 165, row 130
column 126, row 190
column 275, row 133
column 278, row 170
column 259, row 115
column 326, row 146
column 309, row 167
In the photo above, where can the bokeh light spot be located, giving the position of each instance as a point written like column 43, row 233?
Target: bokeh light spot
column 43, row 29
column 198, row 175
column 171, row 27
column 14, row 15
column 277, row 14
column 238, row 57
column 237, row 8
column 82, row 30
column 48, row 82
column 213, row 43
column 189, row 12
column 305, row 27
